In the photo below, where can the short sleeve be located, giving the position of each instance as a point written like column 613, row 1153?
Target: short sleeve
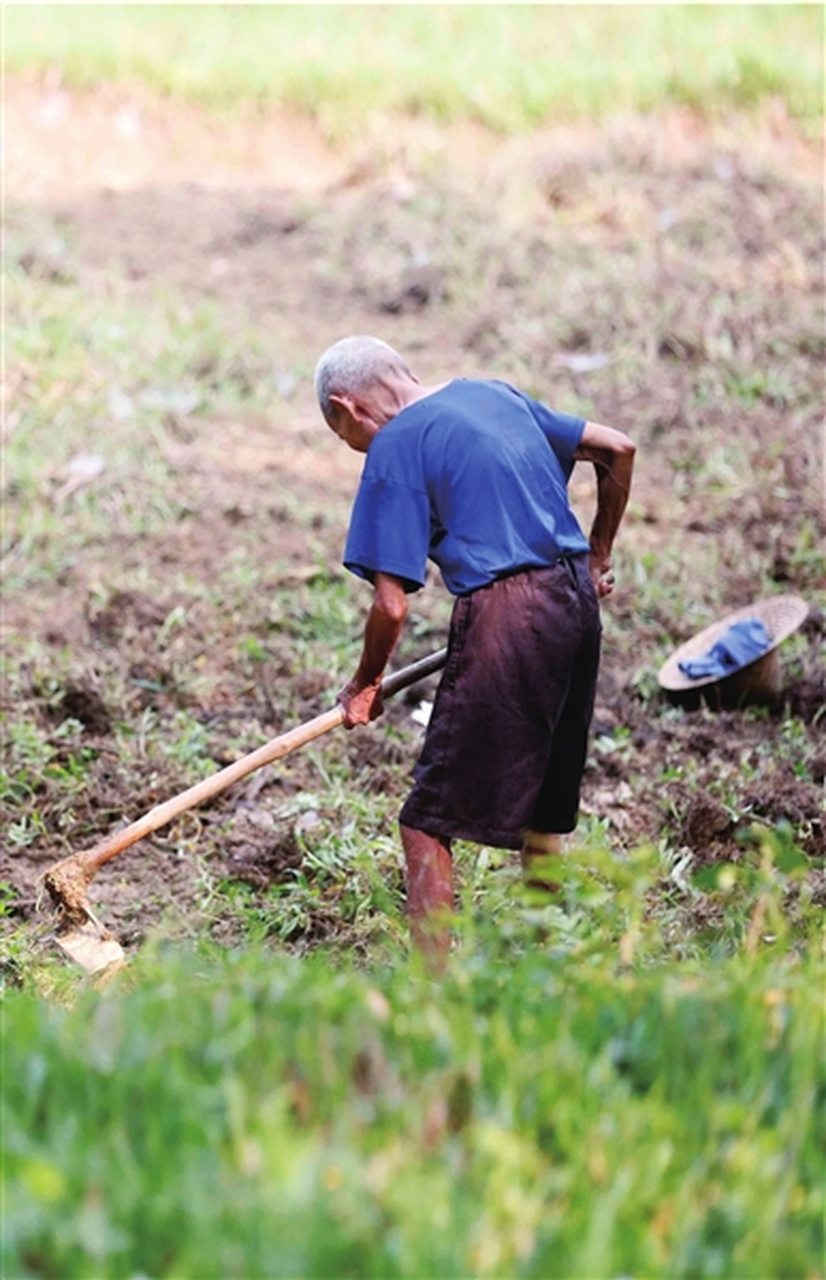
column 389, row 531
column 562, row 430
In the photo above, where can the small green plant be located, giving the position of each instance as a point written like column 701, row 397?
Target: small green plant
column 26, row 830
column 757, row 890
column 188, row 744
column 8, row 895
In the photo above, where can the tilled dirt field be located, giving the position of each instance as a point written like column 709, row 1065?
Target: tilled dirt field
column 658, row 274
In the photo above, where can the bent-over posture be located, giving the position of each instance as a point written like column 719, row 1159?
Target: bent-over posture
column 473, row 475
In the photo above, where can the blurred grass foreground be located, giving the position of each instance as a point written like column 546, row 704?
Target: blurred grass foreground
column 510, row 67
column 541, row 1117
column 569, row 1102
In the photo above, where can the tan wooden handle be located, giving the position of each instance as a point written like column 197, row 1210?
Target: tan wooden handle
column 275, row 749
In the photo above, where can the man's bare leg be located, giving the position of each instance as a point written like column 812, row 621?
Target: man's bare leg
column 429, row 893
column 537, row 848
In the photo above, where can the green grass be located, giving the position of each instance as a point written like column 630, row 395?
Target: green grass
column 508, row 66
column 551, row 1109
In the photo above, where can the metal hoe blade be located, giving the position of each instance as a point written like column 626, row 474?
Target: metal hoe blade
column 92, row 947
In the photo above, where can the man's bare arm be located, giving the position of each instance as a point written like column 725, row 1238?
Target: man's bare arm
column 361, row 697
column 612, row 453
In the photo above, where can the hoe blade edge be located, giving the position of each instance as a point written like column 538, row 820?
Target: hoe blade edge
column 88, row 949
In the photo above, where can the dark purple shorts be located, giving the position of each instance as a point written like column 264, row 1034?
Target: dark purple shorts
column 505, row 747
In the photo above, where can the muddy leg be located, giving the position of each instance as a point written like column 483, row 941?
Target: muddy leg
column 429, row 894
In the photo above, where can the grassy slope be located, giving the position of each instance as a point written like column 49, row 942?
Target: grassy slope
column 510, row 66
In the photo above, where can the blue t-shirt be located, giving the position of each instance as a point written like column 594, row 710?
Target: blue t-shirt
column 474, row 477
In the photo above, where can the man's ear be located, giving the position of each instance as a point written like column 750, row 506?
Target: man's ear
column 357, row 407
column 347, row 403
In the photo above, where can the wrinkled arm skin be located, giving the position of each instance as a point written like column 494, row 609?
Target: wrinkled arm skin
column 612, row 454
column 361, row 698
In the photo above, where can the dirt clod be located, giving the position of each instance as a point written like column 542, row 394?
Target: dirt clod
column 705, row 824
column 126, row 609
column 86, row 705
column 260, row 866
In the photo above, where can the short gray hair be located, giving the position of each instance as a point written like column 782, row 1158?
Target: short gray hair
column 350, row 365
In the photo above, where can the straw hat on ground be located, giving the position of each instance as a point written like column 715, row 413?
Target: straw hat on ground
column 756, row 681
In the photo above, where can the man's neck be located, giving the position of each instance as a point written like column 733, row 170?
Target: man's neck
column 418, row 392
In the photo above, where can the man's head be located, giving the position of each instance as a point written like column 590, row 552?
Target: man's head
column 361, row 383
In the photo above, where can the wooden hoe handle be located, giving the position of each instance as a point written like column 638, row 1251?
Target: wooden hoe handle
column 272, row 750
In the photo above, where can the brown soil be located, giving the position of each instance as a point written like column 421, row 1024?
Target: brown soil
column 447, row 244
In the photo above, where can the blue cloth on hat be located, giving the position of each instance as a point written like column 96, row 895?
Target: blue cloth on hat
column 740, row 643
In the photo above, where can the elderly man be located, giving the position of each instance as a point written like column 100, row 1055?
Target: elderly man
column 473, row 475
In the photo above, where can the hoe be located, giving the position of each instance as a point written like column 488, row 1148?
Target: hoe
column 83, row 937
